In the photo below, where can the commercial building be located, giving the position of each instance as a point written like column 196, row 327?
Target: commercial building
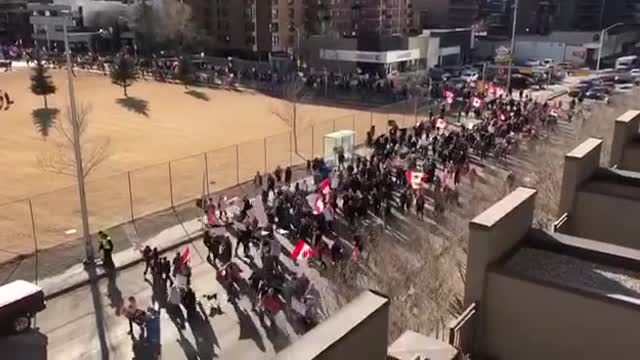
column 579, row 48
column 14, row 21
column 571, row 291
column 387, row 54
column 594, row 14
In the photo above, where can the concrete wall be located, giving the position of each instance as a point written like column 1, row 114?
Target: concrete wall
column 610, row 219
column 357, row 332
column 491, row 234
column 529, row 321
column 624, row 130
column 579, row 165
column 631, row 157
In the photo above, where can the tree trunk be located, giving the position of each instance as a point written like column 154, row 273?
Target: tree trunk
column 45, row 102
column 125, row 91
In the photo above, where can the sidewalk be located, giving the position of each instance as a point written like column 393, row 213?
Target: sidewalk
column 59, row 270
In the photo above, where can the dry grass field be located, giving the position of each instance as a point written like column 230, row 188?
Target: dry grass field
column 158, row 123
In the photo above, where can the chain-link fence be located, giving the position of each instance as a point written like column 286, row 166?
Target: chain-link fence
column 53, row 220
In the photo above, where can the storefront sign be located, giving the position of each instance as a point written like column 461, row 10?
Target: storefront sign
column 377, row 57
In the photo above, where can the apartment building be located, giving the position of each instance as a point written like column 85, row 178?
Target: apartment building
column 571, row 291
column 463, row 13
column 249, row 26
column 353, row 17
column 595, row 14
column 14, row 21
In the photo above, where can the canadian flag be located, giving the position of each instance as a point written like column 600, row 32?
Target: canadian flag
column 325, row 186
column 303, row 251
column 449, row 96
column 441, row 124
column 476, row 102
column 318, row 207
column 415, row 178
column 186, row 256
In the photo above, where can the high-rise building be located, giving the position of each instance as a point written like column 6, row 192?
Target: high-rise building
column 251, row 25
column 589, row 15
column 463, row 13
column 351, row 17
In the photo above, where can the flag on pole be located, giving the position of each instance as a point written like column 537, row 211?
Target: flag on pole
column 318, row 207
column 476, row 102
column 186, row 256
column 325, row 186
column 303, row 251
column 441, row 124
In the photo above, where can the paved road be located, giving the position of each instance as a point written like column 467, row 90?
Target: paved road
column 83, row 324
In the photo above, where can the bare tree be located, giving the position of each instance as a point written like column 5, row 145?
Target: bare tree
column 288, row 111
column 164, row 21
column 62, row 160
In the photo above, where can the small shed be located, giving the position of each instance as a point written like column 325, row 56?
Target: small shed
column 336, row 142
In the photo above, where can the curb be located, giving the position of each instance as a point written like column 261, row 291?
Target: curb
column 64, row 290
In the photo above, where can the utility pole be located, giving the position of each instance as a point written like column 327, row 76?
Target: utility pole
column 513, row 43
column 73, row 112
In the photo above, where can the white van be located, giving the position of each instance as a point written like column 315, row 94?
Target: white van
column 626, row 62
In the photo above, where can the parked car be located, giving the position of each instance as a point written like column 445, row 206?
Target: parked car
column 533, row 62
column 623, row 79
column 548, row 63
column 565, row 66
column 596, row 95
column 469, row 75
column 19, row 302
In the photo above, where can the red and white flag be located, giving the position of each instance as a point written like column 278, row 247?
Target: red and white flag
column 325, row 186
column 441, row 124
column 415, row 178
column 303, row 251
column 186, row 256
column 499, row 91
column 318, row 206
column 476, row 102
column 449, row 96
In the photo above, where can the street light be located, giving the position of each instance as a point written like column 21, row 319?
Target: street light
column 602, row 42
column 513, row 43
column 64, row 20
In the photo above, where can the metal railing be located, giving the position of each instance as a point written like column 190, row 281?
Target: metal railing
column 52, row 219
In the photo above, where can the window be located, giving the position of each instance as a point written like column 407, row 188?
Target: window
column 274, row 13
column 275, row 40
column 275, row 27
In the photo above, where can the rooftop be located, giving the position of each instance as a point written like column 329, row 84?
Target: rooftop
column 580, row 264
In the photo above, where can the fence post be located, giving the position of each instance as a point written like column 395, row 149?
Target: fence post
column 313, row 140
column 206, row 172
column 265, row 155
column 237, row 164
column 35, row 239
column 334, row 125
column 353, row 123
column 170, row 184
column 290, row 148
column 130, row 194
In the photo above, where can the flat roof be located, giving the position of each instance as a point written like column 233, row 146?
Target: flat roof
column 614, row 182
column 503, row 207
column 576, row 272
column 330, row 331
column 584, row 148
